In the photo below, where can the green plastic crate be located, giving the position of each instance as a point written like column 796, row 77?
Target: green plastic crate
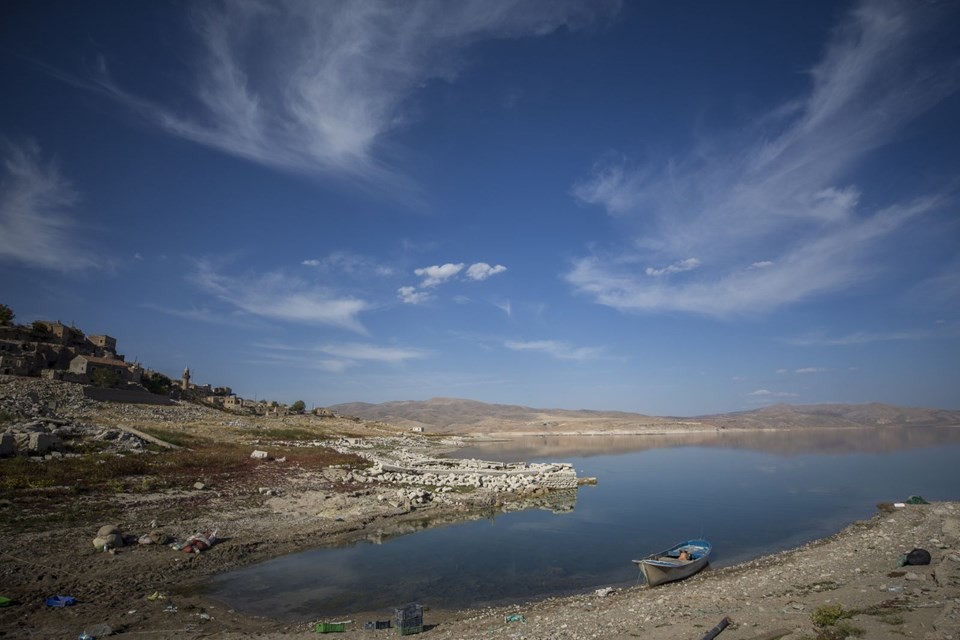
column 409, row 631
column 330, row 627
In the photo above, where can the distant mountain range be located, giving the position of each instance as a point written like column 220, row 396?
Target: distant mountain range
column 453, row 415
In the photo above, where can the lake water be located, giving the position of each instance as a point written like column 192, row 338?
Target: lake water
column 749, row 494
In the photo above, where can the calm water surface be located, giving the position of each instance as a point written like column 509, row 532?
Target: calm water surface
column 748, row 494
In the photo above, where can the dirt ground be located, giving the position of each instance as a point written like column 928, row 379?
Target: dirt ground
column 858, row 569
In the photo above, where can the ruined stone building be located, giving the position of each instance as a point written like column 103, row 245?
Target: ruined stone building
column 54, row 350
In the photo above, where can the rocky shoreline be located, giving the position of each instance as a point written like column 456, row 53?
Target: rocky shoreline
column 397, row 482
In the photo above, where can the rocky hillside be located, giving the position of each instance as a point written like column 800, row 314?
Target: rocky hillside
column 834, row 415
column 447, row 415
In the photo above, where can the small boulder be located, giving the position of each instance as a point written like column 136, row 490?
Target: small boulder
column 111, row 541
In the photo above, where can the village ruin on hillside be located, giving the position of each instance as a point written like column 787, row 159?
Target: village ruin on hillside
column 52, row 350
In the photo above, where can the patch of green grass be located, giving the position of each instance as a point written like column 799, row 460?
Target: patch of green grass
column 296, row 434
column 41, row 494
column 832, row 622
column 828, row 615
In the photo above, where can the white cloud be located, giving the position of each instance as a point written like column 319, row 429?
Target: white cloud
column 783, row 371
column 270, row 356
column 438, row 274
column 372, row 353
column 336, row 357
column 677, row 267
column 866, row 337
column 315, row 86
column 482, row 270
column 410, row 295
column 559, row 350
column 779, row 190
column 772, row 394
column 37, row 223
column 349, row 263
column 806, row 370
column 281, row 296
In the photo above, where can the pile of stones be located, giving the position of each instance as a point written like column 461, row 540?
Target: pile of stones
column 26, row 397
column 53, row 437
column 40, row 418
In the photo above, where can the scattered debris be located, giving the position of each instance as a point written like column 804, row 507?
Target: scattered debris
column 717, row 630
column 61, row 601
column 198, row 542
column 915, row 557
column 376, row 624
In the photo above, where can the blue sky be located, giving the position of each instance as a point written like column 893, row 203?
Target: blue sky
column 669, row 208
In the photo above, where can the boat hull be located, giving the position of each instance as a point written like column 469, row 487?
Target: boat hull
column 666, row 566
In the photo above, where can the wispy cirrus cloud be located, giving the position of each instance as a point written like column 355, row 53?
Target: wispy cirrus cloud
column 809, row 370
column 337, row 357
column 350, row 263
column 555, row 349
column 372, row 353
column 677, row 267
column 38, row 226
column 314, row 87
column 867, row 337
column 766, row 393
column 770, row 213
column 282, row 296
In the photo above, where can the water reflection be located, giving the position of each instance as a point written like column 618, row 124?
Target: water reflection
column 826, row 441
column 748, row 493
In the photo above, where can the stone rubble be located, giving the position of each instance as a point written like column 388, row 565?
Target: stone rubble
column 427, row 479
column 44, row 421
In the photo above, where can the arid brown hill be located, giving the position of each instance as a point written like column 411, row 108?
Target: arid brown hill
column 834, row 415
column 448, row 415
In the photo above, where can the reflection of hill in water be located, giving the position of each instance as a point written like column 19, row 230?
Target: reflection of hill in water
column 558, row 501
column 792, row 442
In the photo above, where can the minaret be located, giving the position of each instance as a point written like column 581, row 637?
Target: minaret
column 185, row 380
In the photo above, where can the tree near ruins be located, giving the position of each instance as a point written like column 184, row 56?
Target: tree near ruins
column 6, row 315
column 157, row 383
column 107, row 378
column 298, row 406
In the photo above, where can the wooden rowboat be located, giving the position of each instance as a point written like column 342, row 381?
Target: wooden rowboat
column 668, row 566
